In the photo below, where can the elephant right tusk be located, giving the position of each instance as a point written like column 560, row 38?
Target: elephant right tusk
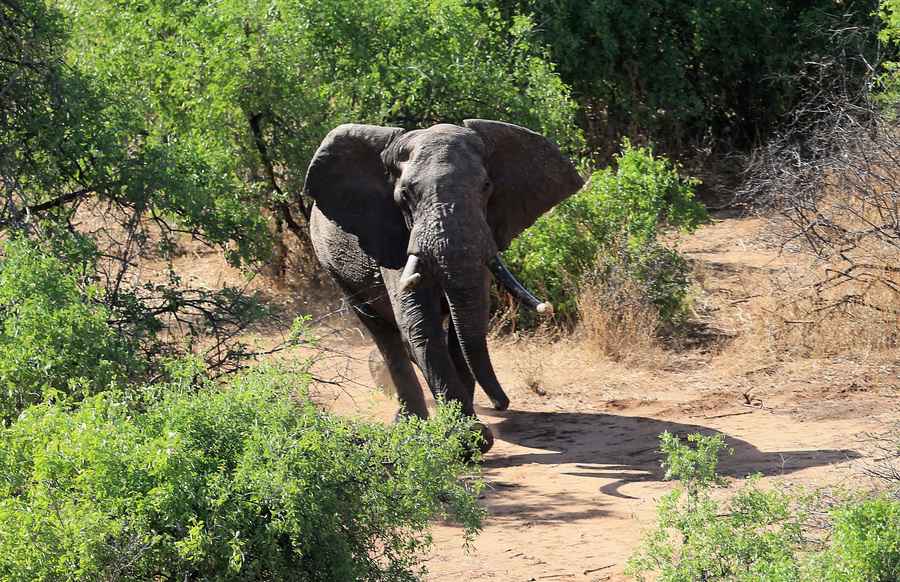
column 410, row 278
column 502, row 274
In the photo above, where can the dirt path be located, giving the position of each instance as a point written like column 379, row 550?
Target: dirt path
column 574, row 476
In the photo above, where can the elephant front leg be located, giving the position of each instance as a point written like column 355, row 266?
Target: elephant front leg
column 418, row 314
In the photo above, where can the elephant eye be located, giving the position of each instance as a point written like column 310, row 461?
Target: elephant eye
column 487, row 186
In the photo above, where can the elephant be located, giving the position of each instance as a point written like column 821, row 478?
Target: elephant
column 410, row 224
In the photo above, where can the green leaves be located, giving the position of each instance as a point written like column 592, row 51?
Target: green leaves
column 249, row 482
column 612, row 224
column 252, row 88
column 698, row 72
column 694, row 466
column 866, row 545
column 54, row 336
column 761, row 533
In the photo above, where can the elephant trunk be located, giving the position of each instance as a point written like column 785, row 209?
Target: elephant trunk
column 469, row 311
column 459, row 267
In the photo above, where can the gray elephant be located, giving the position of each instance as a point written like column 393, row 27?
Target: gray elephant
column 410, row 225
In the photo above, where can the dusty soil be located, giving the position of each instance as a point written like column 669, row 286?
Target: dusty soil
column 574, row 476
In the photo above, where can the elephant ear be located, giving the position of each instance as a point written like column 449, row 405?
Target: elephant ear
column 529, row 173
column 347, row 170
column 350, row 184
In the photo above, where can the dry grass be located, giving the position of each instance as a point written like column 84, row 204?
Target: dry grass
column 834, row 187
column 615, row 322
column 784, row 313
column 801, row 317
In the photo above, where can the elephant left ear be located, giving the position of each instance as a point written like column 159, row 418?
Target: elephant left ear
column 529, row 173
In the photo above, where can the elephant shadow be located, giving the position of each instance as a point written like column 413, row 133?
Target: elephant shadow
column 625, row 449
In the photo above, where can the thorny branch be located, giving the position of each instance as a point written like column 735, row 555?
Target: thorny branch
column 833, row 179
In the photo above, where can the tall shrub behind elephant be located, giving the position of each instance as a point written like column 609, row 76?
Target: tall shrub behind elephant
column 411, row 223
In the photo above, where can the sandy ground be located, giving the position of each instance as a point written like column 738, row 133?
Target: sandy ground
column 574, row 476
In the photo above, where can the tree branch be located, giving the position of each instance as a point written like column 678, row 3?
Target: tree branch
column 59, row 201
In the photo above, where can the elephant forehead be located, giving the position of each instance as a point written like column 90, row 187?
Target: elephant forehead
column 443, row 138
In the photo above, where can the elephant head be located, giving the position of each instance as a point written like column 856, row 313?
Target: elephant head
column 458, row 195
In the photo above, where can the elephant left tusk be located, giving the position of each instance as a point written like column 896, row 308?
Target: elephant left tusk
column 410, row 278
column 502, row 274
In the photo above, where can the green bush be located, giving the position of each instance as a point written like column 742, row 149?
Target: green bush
column 890, row 35
column 69, row 140
column 761, row 534
column 610, row 229
column 253, row 87
column 68, row 136
column 249, row 482
column 752, row 537
column 54, row 336
column 697, row 71
column 866, row 543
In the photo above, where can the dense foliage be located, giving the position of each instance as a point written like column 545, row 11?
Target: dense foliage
column 691, row 72
column 53, row 336
column 611, row 229
column 66, row 138
column 762, row 534
column 242, row 483
column 251, row 88
column 80, row 180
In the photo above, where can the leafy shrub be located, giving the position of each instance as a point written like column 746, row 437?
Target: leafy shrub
column 249, row 482
column 695, row 71
column 761, row 534
column 610, row 229
column 54, row 336
column 694, row 466
column 752, row 537
column 73, row 147
column 253, row 87
column 69, row 137
column 890, row 34
column 866, row 543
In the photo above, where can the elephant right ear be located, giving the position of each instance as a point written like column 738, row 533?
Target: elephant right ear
column 347, row 171
column 529, row 173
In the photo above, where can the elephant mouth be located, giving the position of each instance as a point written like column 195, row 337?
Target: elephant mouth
column 410, row 277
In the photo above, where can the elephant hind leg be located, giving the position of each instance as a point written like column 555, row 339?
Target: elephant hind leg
column 399, row 368
column 380, row 373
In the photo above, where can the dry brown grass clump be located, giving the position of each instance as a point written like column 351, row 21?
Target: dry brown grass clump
column 801, row 316
column 528, row 364
column 616, row 321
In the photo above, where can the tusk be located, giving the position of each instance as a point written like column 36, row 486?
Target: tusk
column 409, row 278
column 502, row 274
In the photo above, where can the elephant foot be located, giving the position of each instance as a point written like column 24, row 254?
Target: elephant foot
column 500, row 404
column 487, row 437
